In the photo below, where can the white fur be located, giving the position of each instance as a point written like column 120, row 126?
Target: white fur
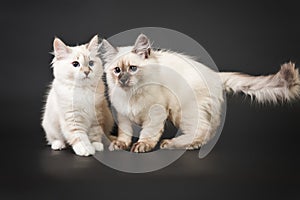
column 58, row 145
column 170, row 86
column 182, row 90
column 76, row 110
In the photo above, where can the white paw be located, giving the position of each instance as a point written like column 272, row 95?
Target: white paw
column 58, row 145
column 82, row 145
column 82, row 149
column 98, row 146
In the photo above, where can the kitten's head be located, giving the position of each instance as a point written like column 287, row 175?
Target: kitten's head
column 79, row 64
column 126, row 67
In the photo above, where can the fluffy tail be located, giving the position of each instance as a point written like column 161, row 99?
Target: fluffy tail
column 282, row 86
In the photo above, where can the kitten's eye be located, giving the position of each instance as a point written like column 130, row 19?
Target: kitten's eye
column 132, row 68
column 91, row 63
column 75, row 64
column 117, row 70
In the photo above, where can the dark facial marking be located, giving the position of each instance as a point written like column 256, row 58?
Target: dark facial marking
column 123, row 78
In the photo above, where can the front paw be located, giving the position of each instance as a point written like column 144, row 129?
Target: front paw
column 118, row 145
column 81, row 149
column 166, row 144
column 58, row 145
column 141, row 147
column 82, row 145
column 98, row 146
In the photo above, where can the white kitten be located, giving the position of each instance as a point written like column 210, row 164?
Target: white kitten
column 147, row 87
column 76, row 111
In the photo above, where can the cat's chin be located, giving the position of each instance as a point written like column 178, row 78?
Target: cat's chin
column 84, row 79
column 125, row 88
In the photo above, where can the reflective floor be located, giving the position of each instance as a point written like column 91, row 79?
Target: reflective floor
column 250, row 161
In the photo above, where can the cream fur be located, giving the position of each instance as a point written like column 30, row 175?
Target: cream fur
column 76, row 112
column 279, row 87
column 192, row 102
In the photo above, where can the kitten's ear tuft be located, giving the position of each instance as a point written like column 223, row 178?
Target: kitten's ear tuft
column 107, row 52
column 142, row 46
column 60, row 49
column 93, row 45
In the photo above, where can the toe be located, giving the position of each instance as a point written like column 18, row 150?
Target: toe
column 58, row 145
column 165, row 144
column 141, row 147
column 117, row 145
column 98, row 146
column 83, row 150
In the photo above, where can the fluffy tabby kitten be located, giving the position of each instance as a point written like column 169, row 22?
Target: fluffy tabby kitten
column 148, row 86
column 76, row 112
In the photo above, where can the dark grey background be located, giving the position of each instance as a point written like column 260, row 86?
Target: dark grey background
column 257, row 156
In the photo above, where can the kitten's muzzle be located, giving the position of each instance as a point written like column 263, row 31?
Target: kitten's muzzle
column 124, row 79
column 86, row 71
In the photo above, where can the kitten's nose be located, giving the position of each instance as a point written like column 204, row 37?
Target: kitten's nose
column 85, row 70
column 124, row 79
column 86, row 73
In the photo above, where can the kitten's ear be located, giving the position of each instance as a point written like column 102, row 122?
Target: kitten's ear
column 142, row 46
column 107, row 52
column 60, row 49
column 93, row 45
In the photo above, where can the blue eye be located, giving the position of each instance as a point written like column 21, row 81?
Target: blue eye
column 75, row 64
column 91, row 63
column 132, row 68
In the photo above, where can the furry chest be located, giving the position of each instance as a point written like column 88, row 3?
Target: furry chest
column 81, row 100
column 135, row 112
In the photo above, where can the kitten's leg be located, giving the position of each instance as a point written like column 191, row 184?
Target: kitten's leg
column 191, row 139
column 106, row 120
column 152, row 130
column 95, row 135
column 75, row 131
column 100, row 130
column 186, row 141
column 52, row 129
column 53, row 135
column 147, row 140
column 58, row 145
column 123, row 140
column 198, row 122
column 81, row 144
